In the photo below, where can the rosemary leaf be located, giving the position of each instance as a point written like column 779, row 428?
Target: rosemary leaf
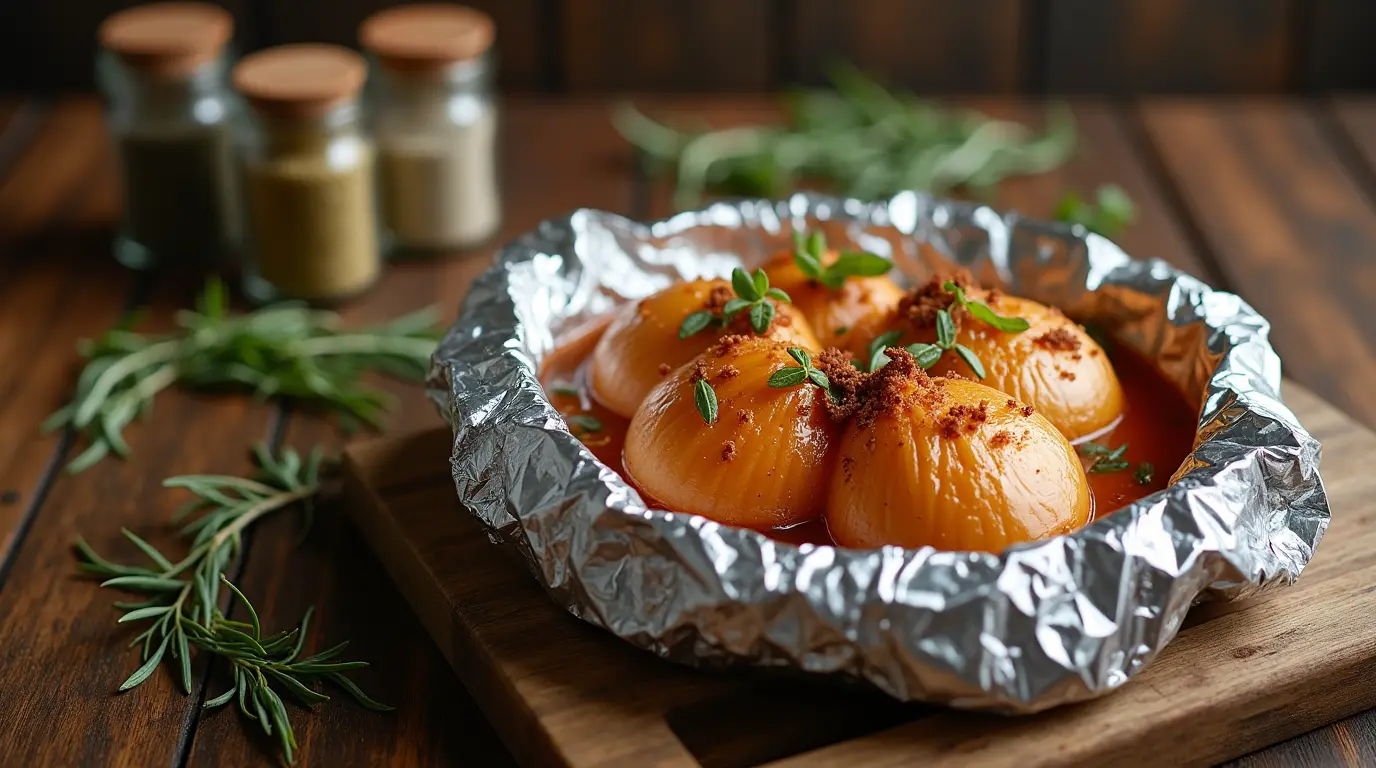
column 285, row 350
column 184, row 610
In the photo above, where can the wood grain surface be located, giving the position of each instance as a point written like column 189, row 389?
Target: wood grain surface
column 563, row 693
column 1272, row 199
column 1170, row 46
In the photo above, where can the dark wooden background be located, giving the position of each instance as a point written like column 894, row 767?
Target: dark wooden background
column 1107, row 47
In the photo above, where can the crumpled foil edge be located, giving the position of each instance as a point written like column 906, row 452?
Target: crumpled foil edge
column 1039, row 625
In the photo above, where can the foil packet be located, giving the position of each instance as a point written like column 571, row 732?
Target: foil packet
column 1039, row 625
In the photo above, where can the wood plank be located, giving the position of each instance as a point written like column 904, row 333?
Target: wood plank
column 666, row 45
column 974, row 46
column 524, row 30
column 58, row 283
column 63, row 37
column 437, row 722
column 1338, row 51
column 1290, row 228
column 1351, row 741
column 1174, row 46
column 571, row 695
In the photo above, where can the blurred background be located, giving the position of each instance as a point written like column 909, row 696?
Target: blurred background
column 1102, row 47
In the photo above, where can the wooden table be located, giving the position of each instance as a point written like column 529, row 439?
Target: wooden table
column 1271, row 199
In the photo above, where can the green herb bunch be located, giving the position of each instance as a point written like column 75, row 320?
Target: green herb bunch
column 927, row 355
column 793, row 375
column 860, row 138
column 286, row 350
column 1111, row 211
column 808, row 251
column 753, row 295
column 183, row 598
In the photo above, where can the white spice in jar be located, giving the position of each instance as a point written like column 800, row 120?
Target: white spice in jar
column 440, row 191
column 436, row 125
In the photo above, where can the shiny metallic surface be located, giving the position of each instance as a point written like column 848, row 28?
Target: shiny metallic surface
column 1039, row 625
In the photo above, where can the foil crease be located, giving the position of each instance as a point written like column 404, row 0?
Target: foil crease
column 1039, row 625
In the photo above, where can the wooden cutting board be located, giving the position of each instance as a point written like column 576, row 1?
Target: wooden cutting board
column 1240, row 676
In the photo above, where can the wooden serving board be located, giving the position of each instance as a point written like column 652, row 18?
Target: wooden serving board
column 1239, row 676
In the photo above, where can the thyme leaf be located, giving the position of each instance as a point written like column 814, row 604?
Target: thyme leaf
column 1110, row 213
column 792, row 376
column 706, row 400
column 807, row 255
column 753, row 295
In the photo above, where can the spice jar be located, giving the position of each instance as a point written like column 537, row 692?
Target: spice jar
column 161, row 69
column 310, row 226
column 435, row 122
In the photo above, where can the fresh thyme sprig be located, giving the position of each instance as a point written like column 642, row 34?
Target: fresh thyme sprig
column 1111, row 212
column 793, row 375
column 1144, row 474
column 928, row 354
column 753, row 295
column 859, row 138
column 808, row 251
column 285, row 350
column 1105, row 459
column 183, row 597
column 984, row 313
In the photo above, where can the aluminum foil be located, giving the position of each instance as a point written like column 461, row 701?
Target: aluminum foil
column 1039, row 625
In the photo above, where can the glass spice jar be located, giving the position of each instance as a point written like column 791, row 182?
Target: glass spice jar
column 161, row 69
column 435, row 122
column 306, row 167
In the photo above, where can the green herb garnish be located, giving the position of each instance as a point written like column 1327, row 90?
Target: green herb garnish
column 793, row 375
column 565, row 389
column 808, row 252
column 286, row 350
column 858, row 138
column 877, row 358
column 585, row 422
column 841, row 330
column 926, row 355
column 1111, row 212
column 984, row 313
column 706, row 400
column 753, row 295
column 184, row 597
column 1145, row 473
column 1105, row 459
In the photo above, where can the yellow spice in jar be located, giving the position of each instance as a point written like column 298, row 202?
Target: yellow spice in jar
column 312, row 221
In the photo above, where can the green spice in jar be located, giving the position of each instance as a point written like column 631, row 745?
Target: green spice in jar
column 307, row 168
column 169, row 111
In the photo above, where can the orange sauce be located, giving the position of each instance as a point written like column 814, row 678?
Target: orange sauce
column 1158, row 424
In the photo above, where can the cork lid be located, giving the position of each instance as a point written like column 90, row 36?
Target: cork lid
column 427, row 35
column 168, row 39
column 300, row 80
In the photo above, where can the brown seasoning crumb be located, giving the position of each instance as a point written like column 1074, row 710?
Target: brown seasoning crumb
column 728, row 450
column 664, row 369
column 728, row 373
column 1059, row 340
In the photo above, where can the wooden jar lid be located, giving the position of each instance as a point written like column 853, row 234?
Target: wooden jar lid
column 427, row 36
column 300, row 80
column 167, row 39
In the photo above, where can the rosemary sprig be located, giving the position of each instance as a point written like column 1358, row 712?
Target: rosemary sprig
column 285, row 350
column 808, row 251
column 183, row 597
column 1111, row 212
column 793, row 375
column 753, row 295
column 859, row 138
